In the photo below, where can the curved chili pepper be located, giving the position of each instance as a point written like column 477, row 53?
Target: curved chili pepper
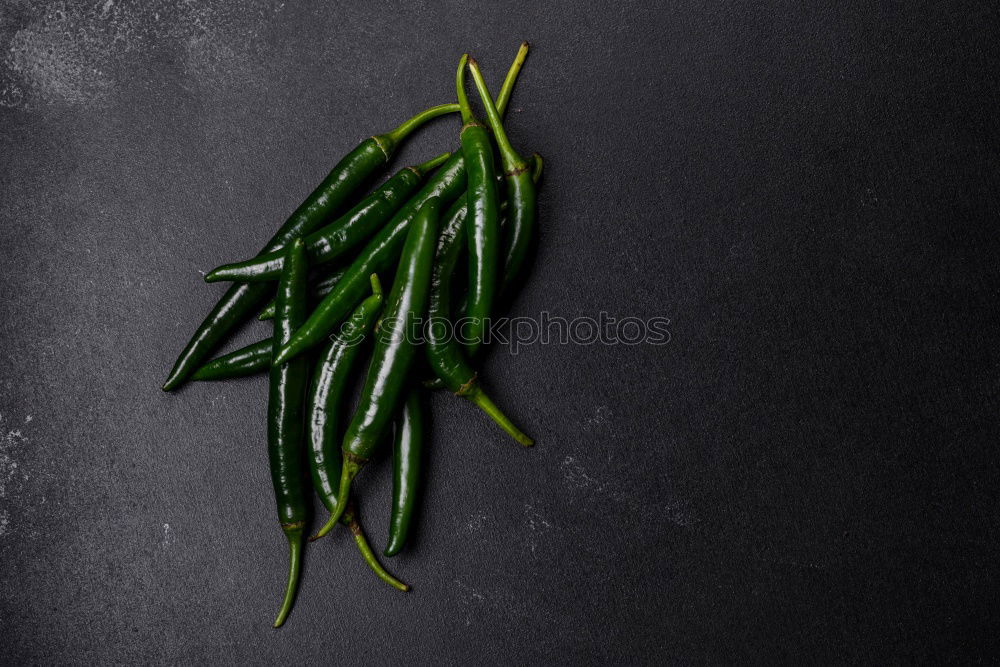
column 394, row 350
column 461, row 209
column 380, row 252
column 378, row 256
column 407, row 450
column 444, row 354
column 520, row 186
column 326, row 394
column 483, row 225
column 517, row 233
column 285, row 404
column 240, row 301
column 341, row 235
column 350, row 519
column 250, row 360
column 316, row 292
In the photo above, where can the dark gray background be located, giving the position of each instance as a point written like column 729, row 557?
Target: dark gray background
column 804, row 188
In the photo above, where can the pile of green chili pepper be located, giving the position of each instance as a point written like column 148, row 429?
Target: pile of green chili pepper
column 318, row 280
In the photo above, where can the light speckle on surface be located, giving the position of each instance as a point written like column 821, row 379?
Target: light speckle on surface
column 4, row 522
column 11, row 473
column 577, row 477
column 476, row 522
column 536, row 524
column 168, row 536
column 602, row 414
column 76, row 54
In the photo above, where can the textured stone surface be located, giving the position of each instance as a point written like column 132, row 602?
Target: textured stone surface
column 802, row 188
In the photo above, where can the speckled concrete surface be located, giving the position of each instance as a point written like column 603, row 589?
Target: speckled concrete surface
column 803, row 189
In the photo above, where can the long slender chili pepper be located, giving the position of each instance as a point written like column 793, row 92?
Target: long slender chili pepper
column 407, row 450
column 241, row 301
column 324, row 404
column 341, row 235
column 326, row 395
column 444, row 354
column 350, row 519
column 286, row 397
column 378, row 256
column 395, row 349
column 250, row 360
column 316, row 292
column 382, row 250
column 460, row 209
column 483, row 225
column 520, row 186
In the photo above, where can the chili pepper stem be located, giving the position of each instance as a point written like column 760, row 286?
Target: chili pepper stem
column 293, row 532
column 347, row 475
column 536, row 173
column 463, row 99
column 408, row 126
column 510, row 158
column 508, row 83
column 369, row 555
column 433, row 163
column 483, row 402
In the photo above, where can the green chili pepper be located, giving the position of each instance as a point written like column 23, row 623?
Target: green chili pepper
column 286, row 397
column 395, row 348
column 316, row 292
column 460, row 209
column 381, row 251
column 407, row 449
column 444, row 354
column 520, row 186
column 483, row 226
column 250, row 360
column 326, row 396
column 341, row 235
column 241, row 301
column 350, row 519
column 324, row 404
column 378, row 256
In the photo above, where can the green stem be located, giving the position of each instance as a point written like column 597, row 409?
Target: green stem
column 350, row 470
column 463, row 99
column 408, row 126
column 508, row 83
column 483, row 402
column 293, row 532
column 351, row 519
column 433, row 163
column 511, row 160
column 376, row 284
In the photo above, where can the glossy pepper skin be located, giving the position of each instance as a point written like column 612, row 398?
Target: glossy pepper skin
column 285, row 406
column 483, row 224
column 240, row 302
column 352, row 521
column 340, row 236
column 316, row 293
column 447, row 183
column 378, row 256
column 520, row 184
column 407, row 451
column 394, row 350
column 324, row 401
column 250, row 360
column 333, row 368
column 444, row 354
